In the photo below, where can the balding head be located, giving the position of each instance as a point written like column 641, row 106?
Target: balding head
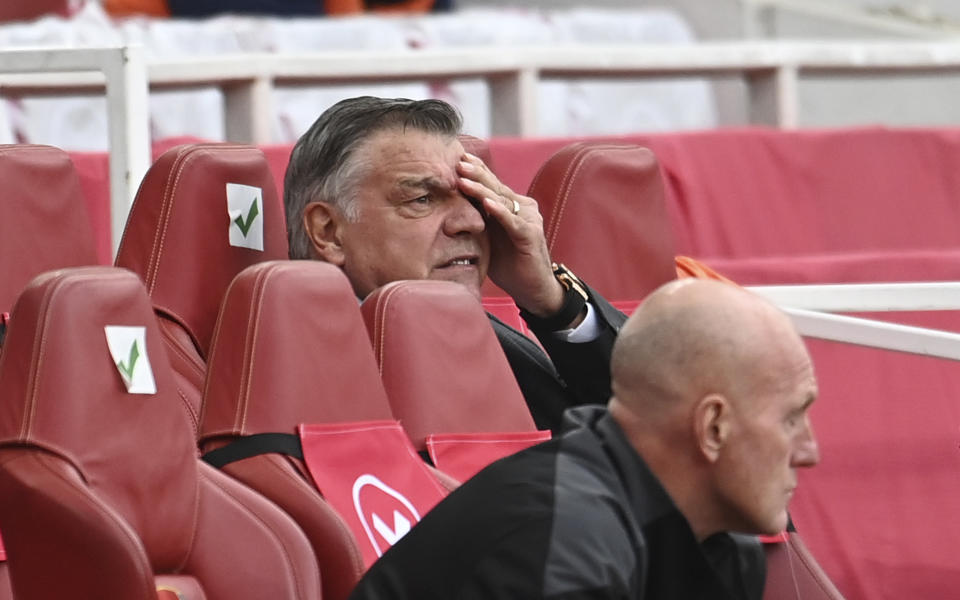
column 711, row 385
column 694, row 337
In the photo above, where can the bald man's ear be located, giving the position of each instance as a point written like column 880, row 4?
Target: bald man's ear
column 323, row 223
column 712, row 425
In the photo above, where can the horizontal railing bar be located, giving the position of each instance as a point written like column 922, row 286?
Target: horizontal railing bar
column 865, row 297
column 876, row 334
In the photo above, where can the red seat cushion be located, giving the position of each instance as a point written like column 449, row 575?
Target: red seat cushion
column 440, row 361
column 45, row 223
column 605, row 217
column 100, row 488
column 182, row 240
column 272, row 368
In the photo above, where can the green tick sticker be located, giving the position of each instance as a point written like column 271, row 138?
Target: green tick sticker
column 127, row 369
column 245, row 210
column 128, row 349
column 251, row 215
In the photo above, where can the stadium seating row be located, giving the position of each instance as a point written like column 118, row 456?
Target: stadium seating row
column 174, row 222
column 186, row 269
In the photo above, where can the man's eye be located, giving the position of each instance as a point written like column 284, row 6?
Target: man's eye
column 421, row 200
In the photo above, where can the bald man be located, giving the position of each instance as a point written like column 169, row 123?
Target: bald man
column 703, row 437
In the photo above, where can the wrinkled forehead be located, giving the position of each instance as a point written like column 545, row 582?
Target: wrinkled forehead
column 411, row 159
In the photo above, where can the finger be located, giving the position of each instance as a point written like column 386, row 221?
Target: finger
column 475, row 189
column 504, row 216
column 476, row 170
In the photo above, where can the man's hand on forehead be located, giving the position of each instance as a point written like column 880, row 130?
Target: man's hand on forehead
column 519, row 259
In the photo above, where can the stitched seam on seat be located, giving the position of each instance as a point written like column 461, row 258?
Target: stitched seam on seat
column 125, row 528
column 172, row 344
column 292, row 571
column 213, row 353
column 36, row 360
column 194, row 419
column 568, row 186
column 250, row 345
column 167, row 206
column 563, row 190
column 182, row 323
column 40, row 350
column 386, row 299
column 817, row 572
column 536, row 178
column 166, row 209
column 565, row 185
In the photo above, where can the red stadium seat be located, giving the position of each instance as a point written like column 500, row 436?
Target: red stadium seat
column 44, row 226
column 101, row 492
column 187, row 241
column 605, row 217
column 441, row 363
column 793, row 573
column 45, row 223
column 289, row 349
column 505, row 309
column 478, row 147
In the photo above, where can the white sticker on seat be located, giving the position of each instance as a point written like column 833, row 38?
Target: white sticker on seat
column 245, row 209
column 128, row 347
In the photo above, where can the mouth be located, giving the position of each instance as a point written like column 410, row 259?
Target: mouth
column 460, row 261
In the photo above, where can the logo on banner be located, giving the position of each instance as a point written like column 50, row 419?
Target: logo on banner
column 128, row 347
column 245, row 209
column 386, row 515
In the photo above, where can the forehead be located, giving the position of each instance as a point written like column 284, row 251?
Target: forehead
column 789, row 372
column 401, row 153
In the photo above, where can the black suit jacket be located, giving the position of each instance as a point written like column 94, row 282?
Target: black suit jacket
column 571, row 375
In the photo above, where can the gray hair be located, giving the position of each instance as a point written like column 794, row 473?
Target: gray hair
column 322, row 168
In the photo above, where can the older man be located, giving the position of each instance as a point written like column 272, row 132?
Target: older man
column 703, row 436
column 383, row 189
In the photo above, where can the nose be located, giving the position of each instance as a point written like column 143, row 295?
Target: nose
column 807, row 451
column 463, row 216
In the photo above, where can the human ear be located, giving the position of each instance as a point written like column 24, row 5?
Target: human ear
column 322, row 223
column 711, row 424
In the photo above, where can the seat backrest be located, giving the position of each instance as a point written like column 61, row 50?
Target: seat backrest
column 290, row 348
column 100, row 487
column 478, row 147
column 605, row 217
column 203, row 213
column 45, row 224
column 439, row 358
column 792, row 572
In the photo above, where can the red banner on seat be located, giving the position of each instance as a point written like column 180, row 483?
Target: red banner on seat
column 3, row 551
column 462, row 455
column 371, row 475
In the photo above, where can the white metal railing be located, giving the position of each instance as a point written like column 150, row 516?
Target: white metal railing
column 810, row 306
column 876, row 334
column 121, row 74
column 867, row 297
column 771, row 70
